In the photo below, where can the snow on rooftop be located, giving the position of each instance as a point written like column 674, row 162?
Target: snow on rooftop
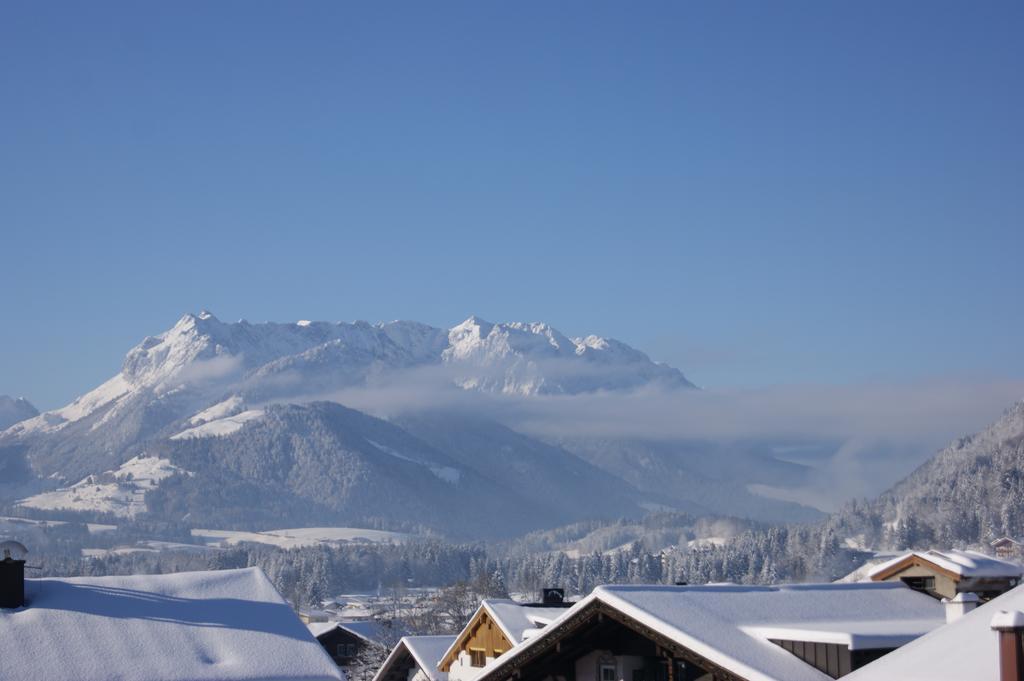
column 425, row 651
column 854, row 634
column 518, row 621
column 962, row 563
column 515, row 618
column 964, row 650
column 318, row 629
column 730, row 624
column 227, row 625
column 372, row 630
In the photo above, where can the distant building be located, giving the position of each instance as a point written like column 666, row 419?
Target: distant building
column 1006, row 547
column 415, row 658
column 944, row 574
column 311, row 616
column 801, row 632
column 345, row 641
column 496, row 627
column 227, row 625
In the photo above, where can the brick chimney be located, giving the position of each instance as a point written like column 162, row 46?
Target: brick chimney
column 960, row 605
column 1010, row 628
column 12, row 574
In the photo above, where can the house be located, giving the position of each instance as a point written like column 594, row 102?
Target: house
column 967, row 649
column 498, row 625
column 944, row 574
column 225, row 625
column 345, row 641
column 801, row 632
column 311, row 616
column 415, row 658
column 1006, row 547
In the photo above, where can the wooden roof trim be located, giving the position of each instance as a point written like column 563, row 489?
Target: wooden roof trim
column 481, row 615
column 599, row 609
column 914, row 560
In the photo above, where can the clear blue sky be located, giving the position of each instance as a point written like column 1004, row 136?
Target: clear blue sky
column 758, row 193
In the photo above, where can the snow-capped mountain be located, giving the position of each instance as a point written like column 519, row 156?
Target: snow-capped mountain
column 530, row 358
column 247, row 409
column 535, row 358
column 13, row 410
column 202, row 356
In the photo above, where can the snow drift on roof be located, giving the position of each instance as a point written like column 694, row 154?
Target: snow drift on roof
column 729, row 624
column 515, row 618
column 964, row 649
column 428, row 651
column 226, row 625
column 425, row 651
column 963, row 563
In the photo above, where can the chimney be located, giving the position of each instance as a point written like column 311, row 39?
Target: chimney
column 12, row 574
column 1010, row 627
column 553, row 597
column 960, row 605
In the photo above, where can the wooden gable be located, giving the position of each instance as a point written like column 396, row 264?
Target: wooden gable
column 482, row 633
column 914, row 560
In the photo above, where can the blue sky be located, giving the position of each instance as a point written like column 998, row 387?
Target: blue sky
column 758, row 193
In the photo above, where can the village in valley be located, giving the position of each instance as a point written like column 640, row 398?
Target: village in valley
column 927, row 615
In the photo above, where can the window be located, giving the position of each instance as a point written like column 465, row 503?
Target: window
column 925, row 584
column 477, row 657
column 608, row 673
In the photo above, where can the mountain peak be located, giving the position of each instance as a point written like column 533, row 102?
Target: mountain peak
column 15, row 410
column 475, row 322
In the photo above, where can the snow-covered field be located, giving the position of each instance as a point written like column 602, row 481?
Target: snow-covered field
column 446, row 473
column 219, row 427
column 121, row 492
column 148, row 546
column 298, row 537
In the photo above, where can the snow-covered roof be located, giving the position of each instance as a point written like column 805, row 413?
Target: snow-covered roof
column 426, row 652
column 516, row 620
column 961, row 563
column 1003, row 540
column 731, row 625
column 372, row 631
column 965, row 649
column 318, row 629
column 225, row 625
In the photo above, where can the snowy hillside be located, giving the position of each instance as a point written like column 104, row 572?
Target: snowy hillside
column 968, row 494
column 121, row 492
